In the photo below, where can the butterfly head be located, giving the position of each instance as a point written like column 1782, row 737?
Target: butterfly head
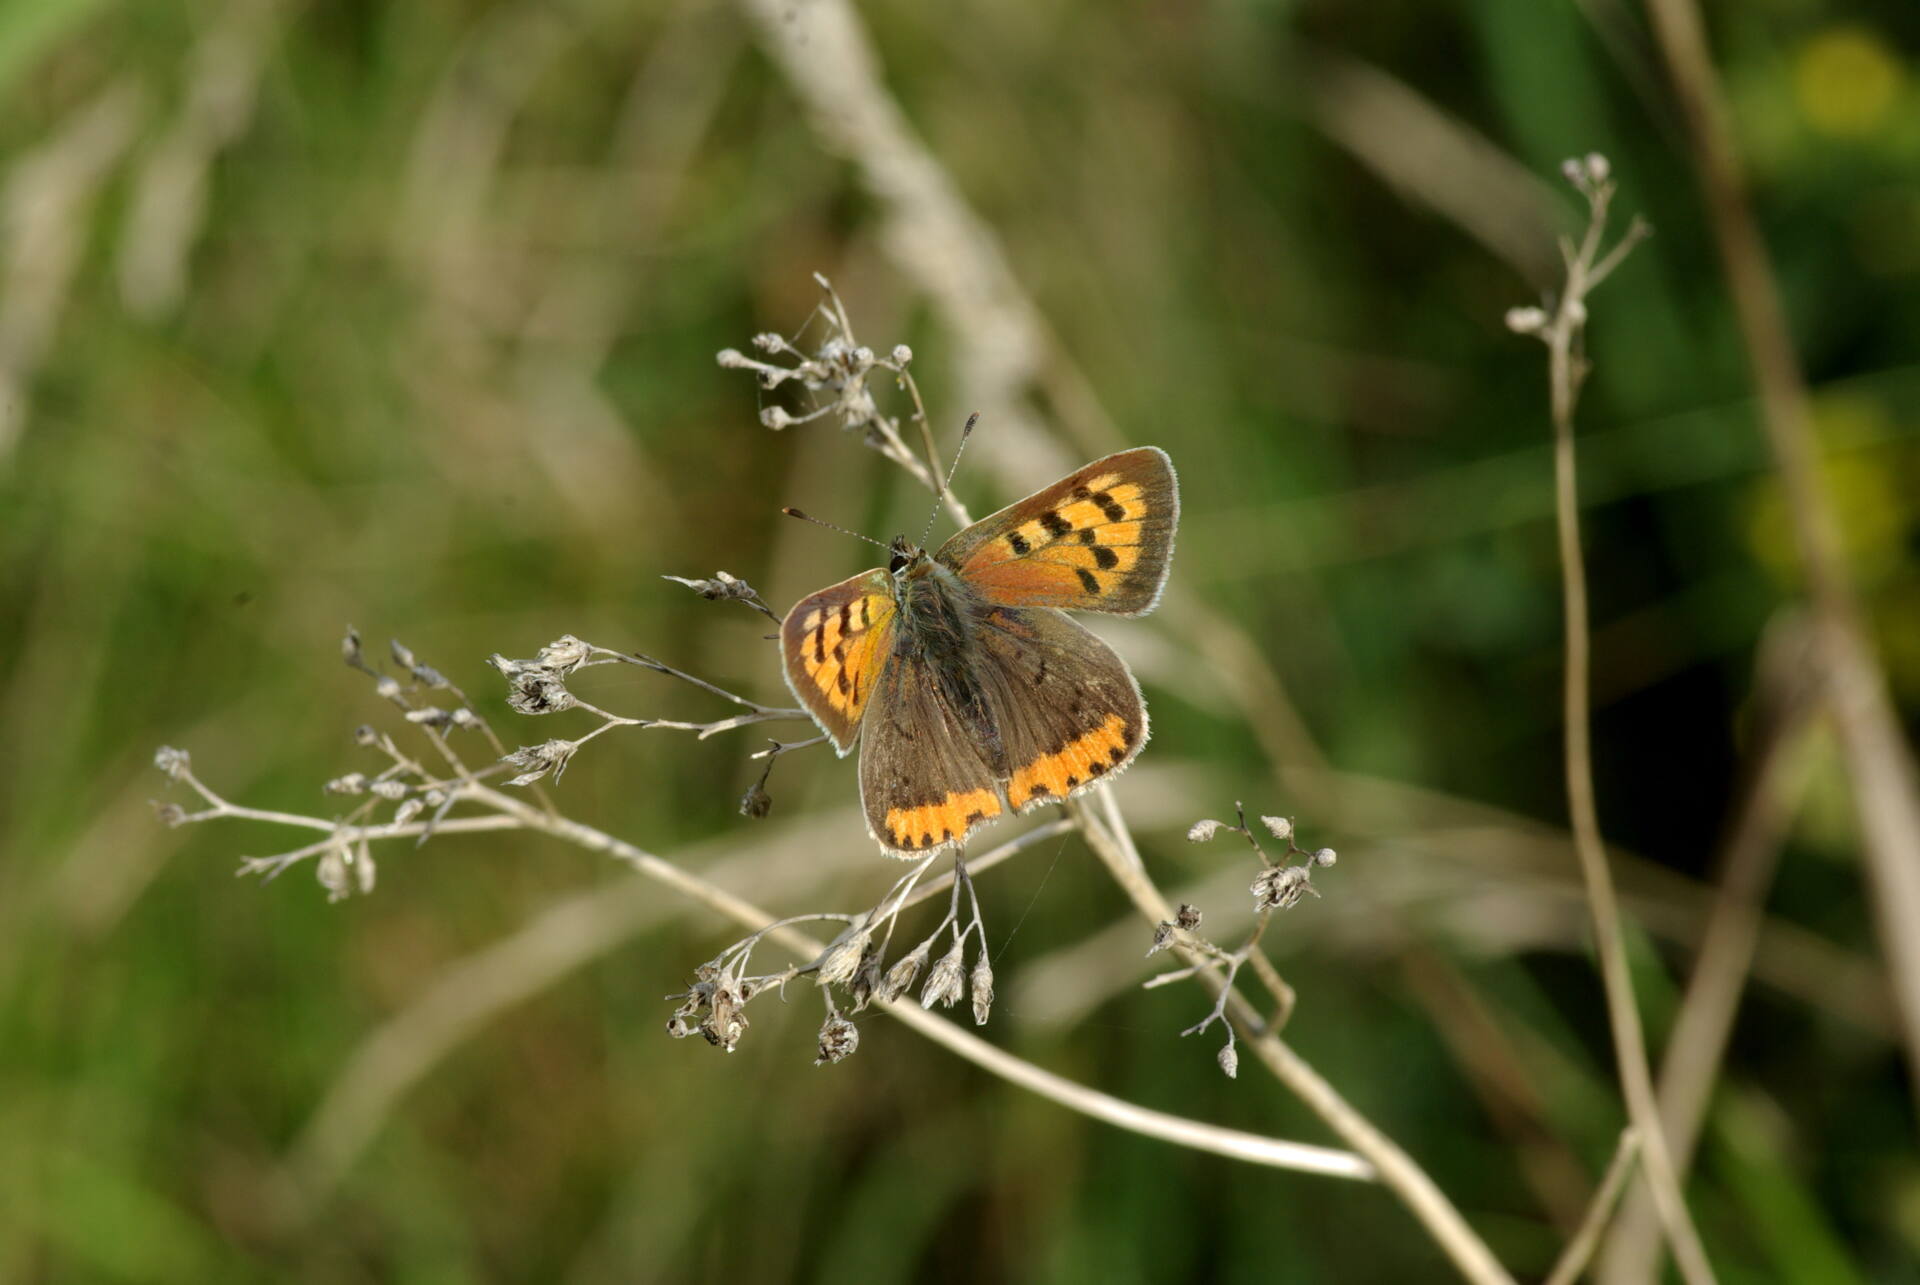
column 906, row 557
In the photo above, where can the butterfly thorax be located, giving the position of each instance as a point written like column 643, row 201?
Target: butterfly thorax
column 937, row 612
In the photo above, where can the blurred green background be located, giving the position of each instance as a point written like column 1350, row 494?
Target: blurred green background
column 405, row 316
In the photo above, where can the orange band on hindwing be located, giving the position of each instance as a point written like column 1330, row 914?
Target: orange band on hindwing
column 1078, row 762
column 941, row 822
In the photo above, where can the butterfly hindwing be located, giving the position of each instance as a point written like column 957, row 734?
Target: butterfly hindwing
column 1100, row 539
column 836, row 644
column 1068, row 711
column 923, row 778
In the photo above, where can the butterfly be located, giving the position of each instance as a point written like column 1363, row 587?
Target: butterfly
column 968, row 689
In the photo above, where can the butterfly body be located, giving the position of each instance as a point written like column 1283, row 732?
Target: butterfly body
column 970, row 692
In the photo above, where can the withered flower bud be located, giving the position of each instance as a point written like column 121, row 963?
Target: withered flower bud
column 537, row 691
column 175, row 763
column 947, row 982
column 1278, row 827
column 1280, row 887
column 1230, row 1061
column 726, row 1023
column 366, row 734
column 351, row 783
column 838, row 1039
column 389, row 789
column 866, row 979
column 402, row 654
column 1201, row 831
column 981, row 990
column 1188, row 916
column 350, row 649
column 756, row 802
column 1324, row 857
column 564, row 654
column 838, row 962
column 171, row 815
column 407, row 811
column 332, row 874
column 535, row 761
column 900, row 978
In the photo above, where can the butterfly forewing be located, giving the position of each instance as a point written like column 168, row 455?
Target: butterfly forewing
column 1100, row 539
column 1068, row 711
column 923, row 779
column 836, row 645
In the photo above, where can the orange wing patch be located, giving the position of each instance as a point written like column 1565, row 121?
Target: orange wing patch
column 1054, row 776
column 837, row 651
column 941, row 822
column 835, row 644
column 1098, row 540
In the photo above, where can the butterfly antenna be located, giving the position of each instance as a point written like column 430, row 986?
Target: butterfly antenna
column 831, row 526
column 939, row 497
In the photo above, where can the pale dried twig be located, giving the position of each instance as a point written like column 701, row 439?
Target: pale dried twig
column 1588, row 263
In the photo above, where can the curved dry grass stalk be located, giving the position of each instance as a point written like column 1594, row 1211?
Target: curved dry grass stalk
column 1881, row 767
column 1788, row 690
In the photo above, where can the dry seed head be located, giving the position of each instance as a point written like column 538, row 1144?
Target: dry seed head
column 350, row 649
column 389, row 789
column 402, row 654
column 564, row 654
column 867, row 978
column 175, row 763
column 1325, row 857
column 947, row 982
column 1281, row 887
column 1230, row 1061
column 839, row 962
column 332, row 873
column 1187, row 917
column 538, row 691
column 535, row 761
column 756, row 802
column 900, row 978
column 366, row 735
column 171, row 815
column 407, row 811
column 351, row 783
column 1526, row 321
column 838, row 1040
column 1201, row 831
column 981, row 990
column 726, row 1023
column 1279, row 827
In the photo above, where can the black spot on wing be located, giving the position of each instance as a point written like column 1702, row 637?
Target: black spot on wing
column 1087, row 580
column 1056, row 525
column 1017, row 544
column 1106, row 557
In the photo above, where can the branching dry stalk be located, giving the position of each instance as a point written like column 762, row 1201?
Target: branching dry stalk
column 1563, row 328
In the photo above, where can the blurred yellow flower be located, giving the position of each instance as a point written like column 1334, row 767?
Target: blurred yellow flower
column 1847, row 80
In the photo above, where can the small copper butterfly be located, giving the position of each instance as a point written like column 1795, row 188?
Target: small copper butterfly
column 969, row 691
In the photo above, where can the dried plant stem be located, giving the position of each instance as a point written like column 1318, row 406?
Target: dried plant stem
column 1788, row 695
column 1881, row 767
column 1585, row 270
column 1422, row 1197
column 1177, row 1129
column 1574, row 1258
